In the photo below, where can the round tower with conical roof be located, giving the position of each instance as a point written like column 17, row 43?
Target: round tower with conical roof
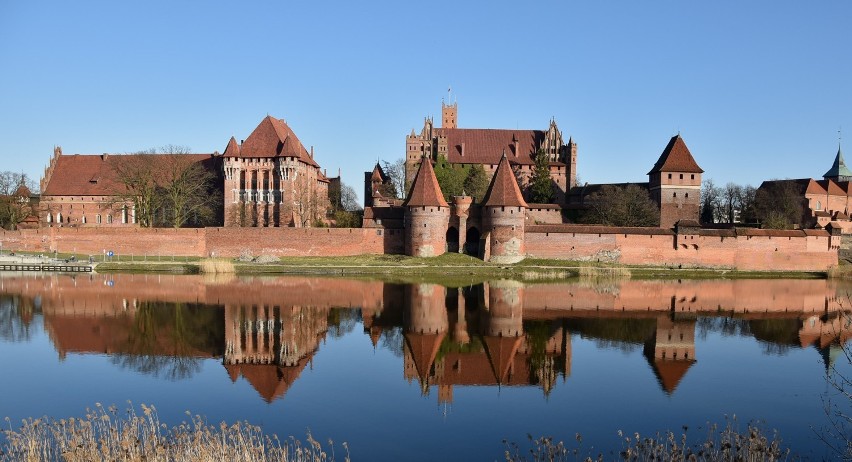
column 427, row 215
column 503, row 217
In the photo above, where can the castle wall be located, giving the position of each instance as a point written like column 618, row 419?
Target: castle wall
column 765, row 251
column 201, row 242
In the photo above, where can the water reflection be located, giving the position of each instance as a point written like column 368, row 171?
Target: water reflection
column 267, row 330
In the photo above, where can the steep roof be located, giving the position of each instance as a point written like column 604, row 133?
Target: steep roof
column 425, row 191
column 424, row 349
column 485, row 145
column 503, row 190
column 501, row 353
column 274, row 138
column 676, row 158
column 232, row 149
column 378, row 174
column 838, row 168
column 670, row 372
column 94, row 175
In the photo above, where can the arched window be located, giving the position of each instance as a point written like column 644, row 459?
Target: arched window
column 819, row 205
column 59, row 217
column 109, row 219
column 49, row 217
column 124, row 215
column 98, row 218
column 84, row 219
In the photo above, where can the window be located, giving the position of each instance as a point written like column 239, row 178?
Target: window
column 681, row 176
column 670, row 176
column 98, row 218
column 49, row 217
column 84, row 219
column 819, row 205
column 686, row 195
column 674, row 194
column 692, row 177
column 109, row 219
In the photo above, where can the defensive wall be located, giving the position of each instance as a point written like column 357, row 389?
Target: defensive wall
column 744, row 249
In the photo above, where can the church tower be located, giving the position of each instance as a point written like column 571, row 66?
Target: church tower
column 838, row 171
column 675, row 184
column 449, row 115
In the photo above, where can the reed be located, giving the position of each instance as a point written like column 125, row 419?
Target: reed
column 106, row 434
column 725, row 444
column 216, row 266
column 604, row 273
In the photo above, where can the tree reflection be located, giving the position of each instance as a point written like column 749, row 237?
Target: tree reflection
column 342, row 321
column 165, row 339
column 16, row 315
column 393, row 340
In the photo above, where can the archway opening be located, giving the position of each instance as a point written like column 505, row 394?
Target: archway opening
column 452, row 239
column 471, row 245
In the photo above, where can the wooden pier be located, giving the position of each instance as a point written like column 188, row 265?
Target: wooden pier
column 49, row 267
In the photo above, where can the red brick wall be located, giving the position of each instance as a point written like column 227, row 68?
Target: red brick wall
column 427, row 230
column 225, row 242
column 806, row 253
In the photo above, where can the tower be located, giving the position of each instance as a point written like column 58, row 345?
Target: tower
column 838, row 171
column 675, row 184
column 449, row 115
column 427, row 215
column 504, row 213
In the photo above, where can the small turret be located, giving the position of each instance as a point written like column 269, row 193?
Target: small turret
column 427, row 215
column 504, row 216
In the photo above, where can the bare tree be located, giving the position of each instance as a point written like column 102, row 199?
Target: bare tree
column 15, row 205
column 630, row 205
column 186, row 188
column 779, row 205
column 306, row 205
column 139, row 176
column 396, row 172
column 709, row 201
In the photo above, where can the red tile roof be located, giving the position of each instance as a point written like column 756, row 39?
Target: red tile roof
column 232, row 149
column 425, row 191
column 93, row 175
column 676, row 158
column 671, row 372
column 503, row 190
column 274, row 138
column 486, row 146
column 501, row 353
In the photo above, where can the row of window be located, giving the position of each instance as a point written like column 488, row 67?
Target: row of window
column 58, row 218
column 691, row 177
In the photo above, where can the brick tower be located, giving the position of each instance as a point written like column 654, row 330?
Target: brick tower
column 449, row 115
column 504, row 213
column 427, row 215
column 675, row 184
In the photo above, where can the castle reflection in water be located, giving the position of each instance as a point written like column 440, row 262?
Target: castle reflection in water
column 502, row 333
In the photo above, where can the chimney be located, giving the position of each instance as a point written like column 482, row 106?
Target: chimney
column 104, row 156
column 517, row 147
column 462, row 149
column 312, row 152
column 241, row 142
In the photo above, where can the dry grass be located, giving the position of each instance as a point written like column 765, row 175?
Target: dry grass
column 216, row 266
column 549, row 275
column 105, row 434
column 727, row 444
column 842, row 271
column 604, row 273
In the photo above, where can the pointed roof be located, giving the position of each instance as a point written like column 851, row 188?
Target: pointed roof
column 501, row 352
column 670, row 372
column 232, row 149
column 424, row 350
column 425, row 191
column 676, row 158
column 838, row 168
column 274, row 138
column 378, row 174
column 503, row 189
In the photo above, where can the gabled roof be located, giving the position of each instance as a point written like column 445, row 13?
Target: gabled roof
column 838, row 168
column 274, row 138
column 485, row 145
column 676, row 158
column 503, row 190
column 425, row 191
column 94, row 175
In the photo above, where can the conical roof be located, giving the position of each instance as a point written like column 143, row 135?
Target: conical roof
column 232, row 149
column 503, row 190
column 424, row 349
column 670, row 372
column 425, row 191
column 838, row 168
column 676, row 158
column 501, row 352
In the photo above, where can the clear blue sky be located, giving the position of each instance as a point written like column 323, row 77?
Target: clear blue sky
column 758, row 89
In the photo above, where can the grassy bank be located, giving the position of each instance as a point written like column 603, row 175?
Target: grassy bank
column 445, row 267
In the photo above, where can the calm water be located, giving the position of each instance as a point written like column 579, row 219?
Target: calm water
column 425, row 372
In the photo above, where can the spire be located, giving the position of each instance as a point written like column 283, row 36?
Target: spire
column 838, row 170
column 232, row 149
column 503, row 189
column 425, row 191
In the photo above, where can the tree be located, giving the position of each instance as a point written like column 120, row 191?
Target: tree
column 541, row 185
column 396, row 172
column 15, row 203
column 139, row 175
column 778, row 205
column 450, row 177
column 476, row 182
column 709, row 201
column 187, row 188
column 629, row 205
column 346, row 211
